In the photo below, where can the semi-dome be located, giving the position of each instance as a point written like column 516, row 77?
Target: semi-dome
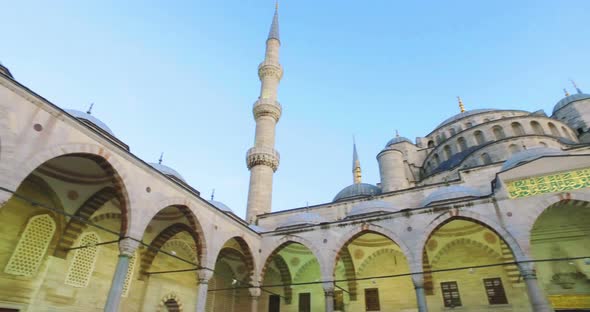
column 450, row 192
column 357, row 189
column 465, row 114
column 529, row 155
column 398, row 139
column 91, row 119
column 371, row 206
column 168, row 171
column 221, row 206
column 570, row 99
column 303, row 218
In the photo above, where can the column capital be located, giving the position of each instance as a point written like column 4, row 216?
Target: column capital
column 418, row 280
column 527, row 270
column 328, row 288
column 204, row 275
column 127, row 246
column 255, row 292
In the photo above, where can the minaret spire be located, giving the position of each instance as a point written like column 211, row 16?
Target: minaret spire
column 262, row 159
column 356, row 165
column 576, row 86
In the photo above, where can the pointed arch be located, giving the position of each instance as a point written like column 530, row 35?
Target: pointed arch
column 170, row 300
column 376, row 254
column 105, row 160
column 148, row 257
column 76, row 225
column 284, row 242
column 245, row 254
column 349, row 272
column 456, row 214
column 286, row 278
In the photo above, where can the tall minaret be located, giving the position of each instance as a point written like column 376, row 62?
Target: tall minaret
column 263, row 159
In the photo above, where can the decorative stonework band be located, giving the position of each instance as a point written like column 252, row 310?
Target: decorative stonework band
column 267, row 107
column 559, row 182
column 263, row 156
column 270, row 69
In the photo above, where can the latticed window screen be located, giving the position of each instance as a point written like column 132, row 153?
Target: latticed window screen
column 372, row 299
column 129, row 276
column 32, row 246
column 450, row 292
column 82, row 265
column 495, row 290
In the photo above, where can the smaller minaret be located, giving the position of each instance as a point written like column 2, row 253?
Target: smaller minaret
column 356, row 165
column 461, row 107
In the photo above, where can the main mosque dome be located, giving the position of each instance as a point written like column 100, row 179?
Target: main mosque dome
column 464, row 115
column 529, row 155
column 357, row 190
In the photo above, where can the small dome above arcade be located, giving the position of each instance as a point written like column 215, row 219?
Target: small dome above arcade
column 5, row 71
column 451, row 192
column 303, row 218
column 167, row 170
column 219, row 205
column 397, row 139
column 88, row 118
column 371, row 206
column 529, row 155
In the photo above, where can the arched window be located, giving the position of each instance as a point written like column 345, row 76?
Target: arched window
column 462, row 144
column 448, row 152
column 486, row 159
column 486, row 120
column 553, row 129
column 517, row 128
column 537, row 129
column 438, row 139
column 32, row 246
column 567, row 133
column 430, row 143
column 479, row 138
column 513, row 148
column 82, row 265
column 436, row 160
column 129, row 276
column 452, row 131
column 469, row 125
column 543, row 144
column 498, row 132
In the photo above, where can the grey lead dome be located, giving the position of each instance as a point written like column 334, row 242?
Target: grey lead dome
column 357, row 189
column 167, row 171
column 91, row 119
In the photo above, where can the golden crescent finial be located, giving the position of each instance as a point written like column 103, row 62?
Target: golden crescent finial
column 461, row 107
column 277, row 5
column 565, row 91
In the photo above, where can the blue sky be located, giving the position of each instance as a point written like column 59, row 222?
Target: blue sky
column 180, row 77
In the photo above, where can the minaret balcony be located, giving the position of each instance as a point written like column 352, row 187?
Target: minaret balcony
column 270, row 69
column 267, row 107
column 263, row 156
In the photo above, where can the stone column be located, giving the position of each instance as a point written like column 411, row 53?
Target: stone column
column 127, row 248
column 255, row 293
column 204, row 276
column 537, row 298
column 418, row 280
column 329, row 296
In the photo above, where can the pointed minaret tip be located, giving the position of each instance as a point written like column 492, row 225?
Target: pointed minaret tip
column 356, row 165
column 274, row 27
column 576, row 86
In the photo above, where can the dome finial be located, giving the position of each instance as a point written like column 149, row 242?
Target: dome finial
column 89, row 111
column 212, row 194
column 161, row 158
column 565, row 92
column 396, row 133
column 356, row 164
column 576, row 86
column 461, row 107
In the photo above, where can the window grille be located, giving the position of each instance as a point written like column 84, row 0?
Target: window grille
column 450, row 292
column 372, row 299
column 495, row 291
column 32, row 246
column 82, row 266
column 304, row 302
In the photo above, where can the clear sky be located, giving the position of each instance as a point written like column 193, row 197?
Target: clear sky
column 181, row 76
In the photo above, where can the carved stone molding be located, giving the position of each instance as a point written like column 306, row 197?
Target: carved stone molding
column 267, row 107
column 127, row 247
column 270, row 69
column 263, row 156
